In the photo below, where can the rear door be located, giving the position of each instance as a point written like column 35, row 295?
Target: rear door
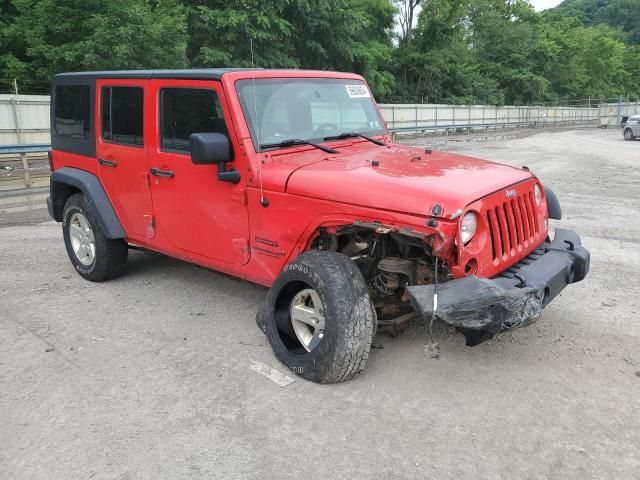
column 122, row 151
column 195, row 212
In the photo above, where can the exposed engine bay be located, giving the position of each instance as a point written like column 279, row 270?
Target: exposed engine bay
column 404, row 277
column 390, row 261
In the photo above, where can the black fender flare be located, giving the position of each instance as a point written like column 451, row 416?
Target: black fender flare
column 553, row 205
column 93, row 190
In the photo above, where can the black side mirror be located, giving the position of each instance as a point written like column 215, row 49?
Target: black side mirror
column 210, row 148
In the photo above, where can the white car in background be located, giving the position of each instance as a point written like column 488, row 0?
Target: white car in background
column 632, row 128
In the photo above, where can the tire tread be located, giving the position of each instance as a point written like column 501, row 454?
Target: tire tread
column 111, row 254
column 354, row 314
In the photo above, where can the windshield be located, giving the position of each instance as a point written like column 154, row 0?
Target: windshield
column 306, row 109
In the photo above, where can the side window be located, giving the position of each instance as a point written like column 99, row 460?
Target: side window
column 184, row 111
column 122, row 112
column 72, row 111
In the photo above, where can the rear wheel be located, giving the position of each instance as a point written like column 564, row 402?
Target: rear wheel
column 628, row 134
column 319, row 318
column 94, row 256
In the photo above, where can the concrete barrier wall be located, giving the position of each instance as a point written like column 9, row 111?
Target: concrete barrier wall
column 435, row 115
column 611, row 113
column 24, row 119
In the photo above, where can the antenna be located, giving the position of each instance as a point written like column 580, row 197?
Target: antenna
column 263, row 201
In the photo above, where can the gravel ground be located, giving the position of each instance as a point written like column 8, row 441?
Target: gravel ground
column 147, row 376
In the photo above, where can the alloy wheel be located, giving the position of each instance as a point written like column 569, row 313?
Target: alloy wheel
column 82, row 239
column 307, row 318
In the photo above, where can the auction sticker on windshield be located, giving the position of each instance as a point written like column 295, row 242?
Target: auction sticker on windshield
column 357, row 91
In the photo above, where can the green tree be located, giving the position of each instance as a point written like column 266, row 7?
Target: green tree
column 460, row 51
column 223, row 32
column 473, row 51
column 71, row 35
column 13, row 58
column 622, row 14
column 584, row 61
column 438, row 65
column 350, row 35
column 502, row 51
column 505, row 40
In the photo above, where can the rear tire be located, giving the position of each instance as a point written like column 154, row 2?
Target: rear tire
column 628, row 134
column 94, row 256
column 319, row 318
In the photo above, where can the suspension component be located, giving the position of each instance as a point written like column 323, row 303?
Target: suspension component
column 385, row 284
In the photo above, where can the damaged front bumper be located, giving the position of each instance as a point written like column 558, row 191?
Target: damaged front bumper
column 480, row 307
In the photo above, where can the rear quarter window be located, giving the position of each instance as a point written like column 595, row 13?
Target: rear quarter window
column 72, row 111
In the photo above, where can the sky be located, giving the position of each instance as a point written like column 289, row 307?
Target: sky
column 544, row 4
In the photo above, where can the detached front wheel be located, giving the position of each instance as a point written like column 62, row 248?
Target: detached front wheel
column 319, row 318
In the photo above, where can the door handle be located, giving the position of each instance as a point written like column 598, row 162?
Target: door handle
column 107, row 163
column 162, row 173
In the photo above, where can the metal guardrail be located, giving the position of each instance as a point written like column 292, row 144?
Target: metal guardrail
column 485, row 126
column 19, row 148
column 22, row 150
column 456, row 126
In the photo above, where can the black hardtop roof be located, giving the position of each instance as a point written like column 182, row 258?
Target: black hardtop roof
column 195, row 73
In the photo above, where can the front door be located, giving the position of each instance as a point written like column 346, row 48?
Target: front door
column 194, row 211
column 122, row 151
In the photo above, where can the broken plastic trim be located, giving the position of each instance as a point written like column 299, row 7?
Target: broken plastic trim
column 478, row 307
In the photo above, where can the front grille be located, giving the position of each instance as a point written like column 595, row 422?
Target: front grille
column 513, row 226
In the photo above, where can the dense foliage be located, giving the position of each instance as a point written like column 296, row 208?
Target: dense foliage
column 624, row 14
column 479, row 51
column 501, row 51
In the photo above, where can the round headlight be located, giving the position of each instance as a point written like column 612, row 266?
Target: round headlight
column 468, row 227
column 538, row 193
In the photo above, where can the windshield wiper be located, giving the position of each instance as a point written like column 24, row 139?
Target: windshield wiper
column 296, row 141
column 342, row 136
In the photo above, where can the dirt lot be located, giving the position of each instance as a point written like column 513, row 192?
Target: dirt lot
column 146, row 377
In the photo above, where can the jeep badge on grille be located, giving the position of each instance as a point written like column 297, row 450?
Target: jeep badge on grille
column 510, row 193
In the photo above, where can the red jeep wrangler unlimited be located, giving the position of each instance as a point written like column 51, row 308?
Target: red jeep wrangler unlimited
column 289, row 179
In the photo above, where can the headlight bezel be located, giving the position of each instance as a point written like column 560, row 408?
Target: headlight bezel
column 537, row 194
column 468, row 227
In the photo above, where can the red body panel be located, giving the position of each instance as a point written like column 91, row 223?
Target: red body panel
column 224, row 226
column 510, row 229
column 127, row 183
column 406, row 180
column 195, row 214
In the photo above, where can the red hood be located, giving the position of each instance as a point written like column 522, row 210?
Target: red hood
column 406, row 180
